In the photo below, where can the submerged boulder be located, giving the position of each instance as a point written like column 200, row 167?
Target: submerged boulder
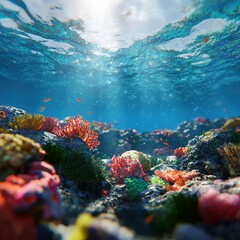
column 204, row 155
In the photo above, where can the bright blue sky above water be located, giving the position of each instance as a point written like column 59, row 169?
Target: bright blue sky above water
column 146, row 64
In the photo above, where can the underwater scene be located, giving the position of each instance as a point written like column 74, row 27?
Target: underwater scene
column 119, row 120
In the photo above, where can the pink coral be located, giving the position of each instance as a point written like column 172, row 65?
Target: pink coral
column 78, row 128
column 214, row 207
column 50, row 124
column 123, row 167
column 178, row 178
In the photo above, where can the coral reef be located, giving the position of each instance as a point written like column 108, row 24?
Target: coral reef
column 189, row 190
column 28, row 121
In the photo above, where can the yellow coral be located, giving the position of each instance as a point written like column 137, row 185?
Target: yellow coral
column 3, row 130
column 81, row 227
column 231, row 123
column 15, row 152
column 141, row 157
column 29, row 121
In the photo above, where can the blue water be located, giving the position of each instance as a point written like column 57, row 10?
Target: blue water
column 186, row 69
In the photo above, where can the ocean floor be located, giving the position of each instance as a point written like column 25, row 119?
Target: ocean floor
column 76, row 180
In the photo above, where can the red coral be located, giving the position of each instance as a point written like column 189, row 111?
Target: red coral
column 178, row 178
column 78, row 128
column 179, row 152
column 123, row 167
column 50, row 124
column 214, row 207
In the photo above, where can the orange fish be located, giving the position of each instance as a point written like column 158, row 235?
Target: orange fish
column 47, row 99
column 148, row 219
column 166, row 143
column 205, row 39
column 89, row 113
column 2, row 114
column 42, row 108
column 78, row 99
column 218, row 103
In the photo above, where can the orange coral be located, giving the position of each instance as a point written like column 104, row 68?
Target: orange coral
column 179, row 152
column 178, row 178
column 78, row 128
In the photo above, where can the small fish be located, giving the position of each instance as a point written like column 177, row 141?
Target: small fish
column 2, row 114
column 205, row 39
column 47, row 99
column 148, row 219
column 89, row 113
column 218, row 103
column 78, row 99
column 166, row 143
column 42, row 108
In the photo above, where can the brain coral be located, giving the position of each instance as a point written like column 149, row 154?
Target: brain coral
column 15, row 152
column 141, row 157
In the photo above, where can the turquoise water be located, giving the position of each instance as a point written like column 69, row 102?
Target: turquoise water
column 186, row 68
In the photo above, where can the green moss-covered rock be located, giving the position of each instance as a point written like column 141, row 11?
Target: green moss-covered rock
column 141, row 157
column 85, row 170
column 54, row 154
column 177, row 208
